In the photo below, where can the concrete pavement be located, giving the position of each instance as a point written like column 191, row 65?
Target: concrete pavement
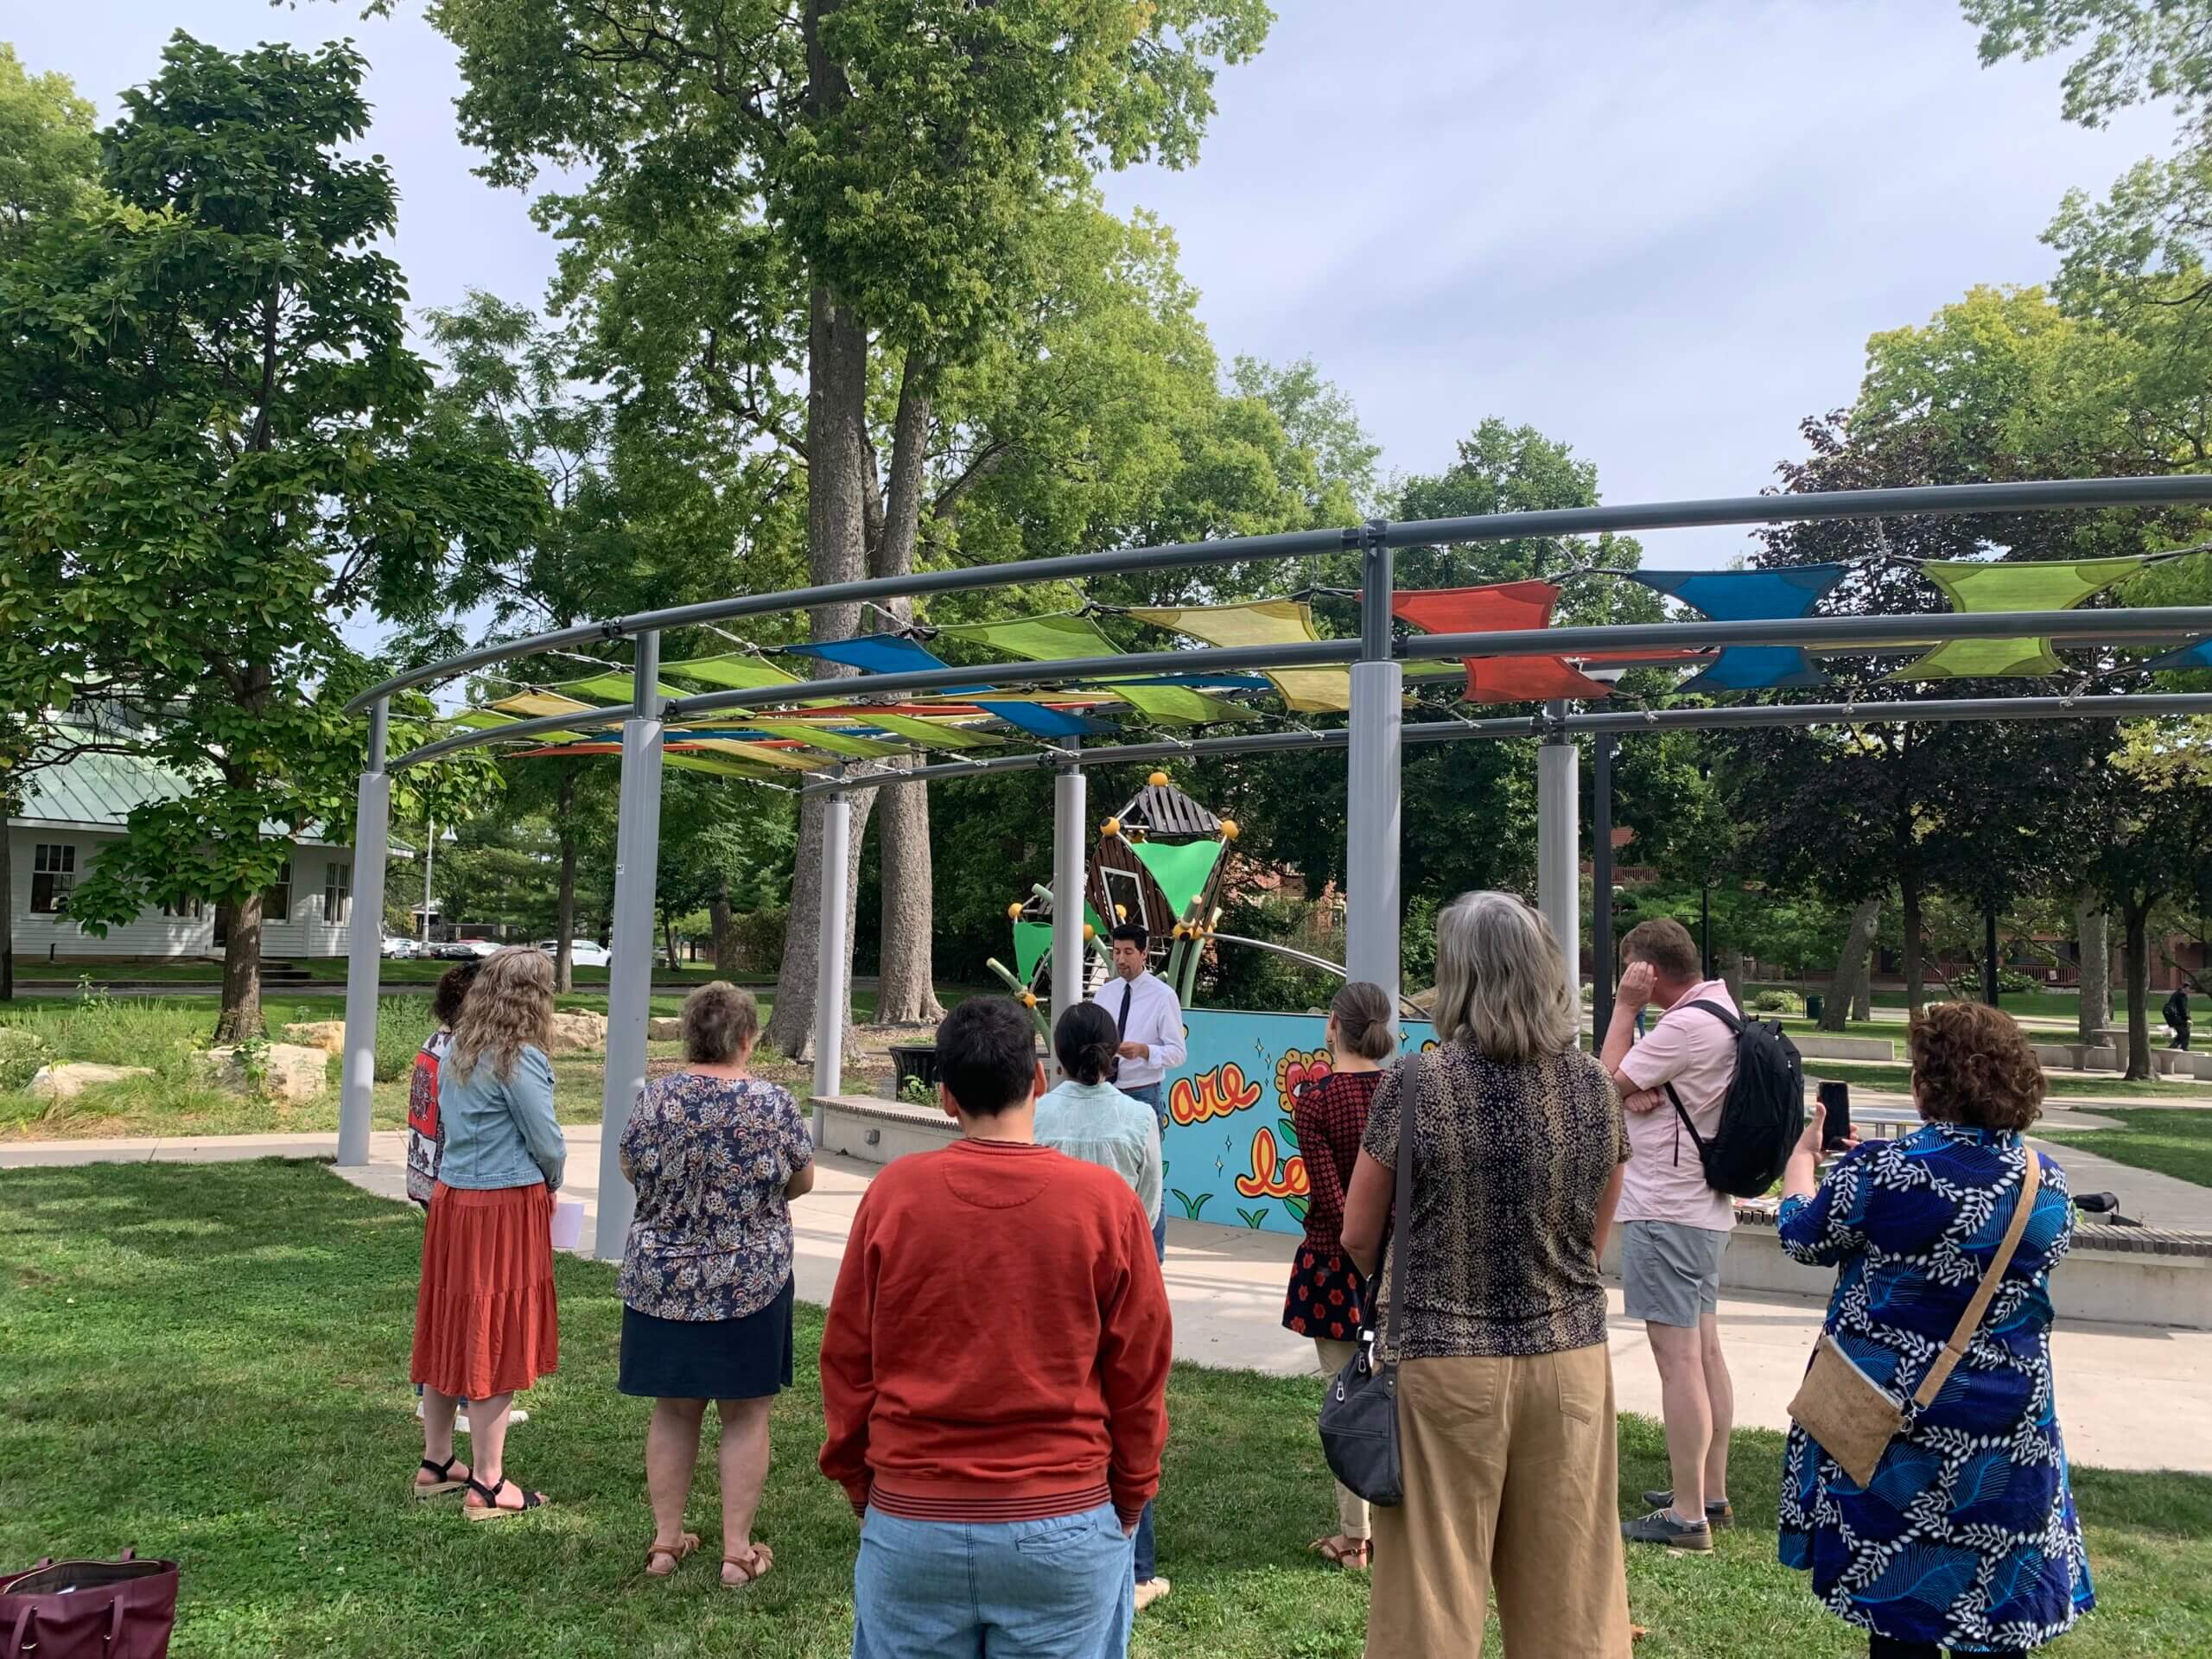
column 2130, row 1396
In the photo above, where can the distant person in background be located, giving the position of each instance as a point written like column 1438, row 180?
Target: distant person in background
column 717, row 1155
column 426, row 1138
column 1149, row 1032
column 1967, row 1537
column 486, row 1320
column 2175, row 1014
column 1087, row 1117
column 1327, row 1298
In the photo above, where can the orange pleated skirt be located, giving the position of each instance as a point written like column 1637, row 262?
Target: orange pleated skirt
column 485, row 1318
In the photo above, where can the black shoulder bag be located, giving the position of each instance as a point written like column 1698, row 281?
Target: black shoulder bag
column 1359, row 1415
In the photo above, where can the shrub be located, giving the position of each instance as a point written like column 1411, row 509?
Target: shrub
column 22, row 1052
column 107, row 1030
column 760, row 939
column 404, row 1025
column 1777, row 1001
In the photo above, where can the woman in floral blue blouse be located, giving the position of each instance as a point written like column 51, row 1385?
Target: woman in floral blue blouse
column 716, row 1155
column 1966, row 1538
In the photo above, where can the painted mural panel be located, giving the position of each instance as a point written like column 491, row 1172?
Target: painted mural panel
column 1230, row 1146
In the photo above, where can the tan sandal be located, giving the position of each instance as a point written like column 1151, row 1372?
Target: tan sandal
column 754, row 1567
column 684, row 1544
column 1357, row 1559
column 490, row 1510
column 441, row 1481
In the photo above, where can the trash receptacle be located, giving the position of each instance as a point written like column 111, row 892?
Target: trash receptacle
column 1814, row 1003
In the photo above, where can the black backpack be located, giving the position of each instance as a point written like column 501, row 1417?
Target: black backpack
column 1763, row 1114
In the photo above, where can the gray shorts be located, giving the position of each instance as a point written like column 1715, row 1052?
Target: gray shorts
column 1669, row 1273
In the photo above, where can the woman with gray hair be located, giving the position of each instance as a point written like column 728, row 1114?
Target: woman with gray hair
column 716, row 1155
column 1505, row 1391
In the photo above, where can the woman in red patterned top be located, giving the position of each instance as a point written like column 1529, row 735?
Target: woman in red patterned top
column 1327, row 1300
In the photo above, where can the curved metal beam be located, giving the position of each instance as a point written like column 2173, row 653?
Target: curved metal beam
column 2039, row 497
column 1933, row 710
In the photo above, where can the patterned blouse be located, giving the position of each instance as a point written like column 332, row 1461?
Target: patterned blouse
column 1330, row 1113
column 710, row 1158
column 1509, row 1163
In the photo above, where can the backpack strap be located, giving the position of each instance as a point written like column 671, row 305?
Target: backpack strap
column 1734, row 1022
column 1735, row 1025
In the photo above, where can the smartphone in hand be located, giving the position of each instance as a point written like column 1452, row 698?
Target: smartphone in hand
column 1835, row 1128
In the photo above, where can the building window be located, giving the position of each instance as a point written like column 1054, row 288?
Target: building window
column 187, row 910
column 276, row 898
column 337, row 891
column 53, row 872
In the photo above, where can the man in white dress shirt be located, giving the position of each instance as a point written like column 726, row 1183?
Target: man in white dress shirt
column 1149, row 1018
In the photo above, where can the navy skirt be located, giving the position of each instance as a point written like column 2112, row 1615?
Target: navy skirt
column 708, row 1359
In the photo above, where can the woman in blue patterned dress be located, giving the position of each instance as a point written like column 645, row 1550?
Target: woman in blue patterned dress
column 716, row 1155
column 1966, row 1538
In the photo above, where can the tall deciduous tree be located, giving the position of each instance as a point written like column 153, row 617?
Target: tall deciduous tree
column 214, row 437
column 903, row 153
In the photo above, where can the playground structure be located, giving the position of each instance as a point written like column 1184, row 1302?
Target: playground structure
column 828, row 735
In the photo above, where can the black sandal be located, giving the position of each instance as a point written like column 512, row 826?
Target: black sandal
column 442, row 1479
column 490, row 1510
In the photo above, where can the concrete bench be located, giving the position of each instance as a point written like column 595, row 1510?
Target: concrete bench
column 2078, row 1056
column 1825, row 1045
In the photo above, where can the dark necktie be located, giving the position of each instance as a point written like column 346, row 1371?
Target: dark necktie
column 1121, row 1025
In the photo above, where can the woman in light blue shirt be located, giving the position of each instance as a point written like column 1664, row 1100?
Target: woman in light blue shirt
column 1087, row 1117
column 485, row 1322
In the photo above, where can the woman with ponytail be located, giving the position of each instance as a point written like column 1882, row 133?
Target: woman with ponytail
column 1328, row 1298
column 1087, row 1117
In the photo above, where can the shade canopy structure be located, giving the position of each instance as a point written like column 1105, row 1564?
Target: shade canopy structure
column 1067, row 691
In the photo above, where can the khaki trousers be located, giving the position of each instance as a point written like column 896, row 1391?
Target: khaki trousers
column 1351, row 1508
column 1512, row 1477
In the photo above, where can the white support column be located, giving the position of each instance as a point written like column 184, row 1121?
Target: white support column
column 630, row 978
column 830, row 990
column 365, row 948
column 1559, row 848
column 1070, row 795
column 1371, row 849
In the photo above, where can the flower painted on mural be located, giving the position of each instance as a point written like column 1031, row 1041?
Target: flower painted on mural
column 1297, row 1068
column 1270, row 1179
column 1211, row 1094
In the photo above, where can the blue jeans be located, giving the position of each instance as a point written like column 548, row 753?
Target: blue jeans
column 1057, row 1589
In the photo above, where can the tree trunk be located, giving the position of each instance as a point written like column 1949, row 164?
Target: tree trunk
column 906, row 987
column 1851, row 965
column 724, row 921
column 240, row 1017
column 1732, row 973
column 667, row 939
column 1916, row 967
column 2135, row 919
column 564, row 967
column 836, row 533
column 1862, row 999
column 2093, row 929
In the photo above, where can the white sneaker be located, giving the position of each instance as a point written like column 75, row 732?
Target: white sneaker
column 1150, row 1591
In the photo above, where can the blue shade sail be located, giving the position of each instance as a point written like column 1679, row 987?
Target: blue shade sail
column 880, row 653
column 1040, row 722
column 1750, row 596
column 2198, row 655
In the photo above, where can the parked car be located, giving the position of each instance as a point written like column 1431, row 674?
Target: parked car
column 582, row 953
column 400, row 948
column 462, row 949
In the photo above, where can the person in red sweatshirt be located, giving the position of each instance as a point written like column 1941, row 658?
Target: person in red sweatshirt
column 993, row 1375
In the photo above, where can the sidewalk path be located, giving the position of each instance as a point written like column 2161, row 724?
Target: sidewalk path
column 2130, row 1396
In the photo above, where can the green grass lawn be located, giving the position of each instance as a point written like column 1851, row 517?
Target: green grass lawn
column 210, row 1363
column 1898, row 1079
column 395, row 970
column 2178, row 1144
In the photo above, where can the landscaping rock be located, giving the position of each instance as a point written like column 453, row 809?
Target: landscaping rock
column 68, row 1081
column 575, row 1031
column 291, row 1072
column 664, row 1030
column 328, row 1035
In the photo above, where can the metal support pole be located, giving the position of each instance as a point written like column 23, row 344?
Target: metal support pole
column 630, row 970
column 1704, row 930
column 430, row 859
column 1069, row 807
column 1601, row 884
column 1371, row 907
column 1558, row 846
column 365, row 946
column 830, row 990
column 1991, row 989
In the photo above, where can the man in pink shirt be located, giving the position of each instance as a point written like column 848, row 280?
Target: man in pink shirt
column 1675, row 1228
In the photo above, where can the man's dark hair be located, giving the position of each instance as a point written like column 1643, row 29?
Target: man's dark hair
column 987, row 1055
column 453, row 991
column 1134, row 932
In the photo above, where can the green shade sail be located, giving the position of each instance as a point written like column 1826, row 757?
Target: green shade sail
column 733, row 671
column 1264, row 622
column 1039, row 639
column 1180, row 871
column 611, row 687
column 929, row 733
column 1031, row 942
column 1177, row 705
column 2042, row 585
column 816, row 737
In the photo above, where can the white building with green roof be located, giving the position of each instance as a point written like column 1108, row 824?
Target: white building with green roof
column 71, row 812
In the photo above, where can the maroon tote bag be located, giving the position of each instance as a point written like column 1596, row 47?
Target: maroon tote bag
column 89, row 1610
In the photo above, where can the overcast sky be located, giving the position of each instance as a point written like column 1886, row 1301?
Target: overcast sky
column 1660, row 232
